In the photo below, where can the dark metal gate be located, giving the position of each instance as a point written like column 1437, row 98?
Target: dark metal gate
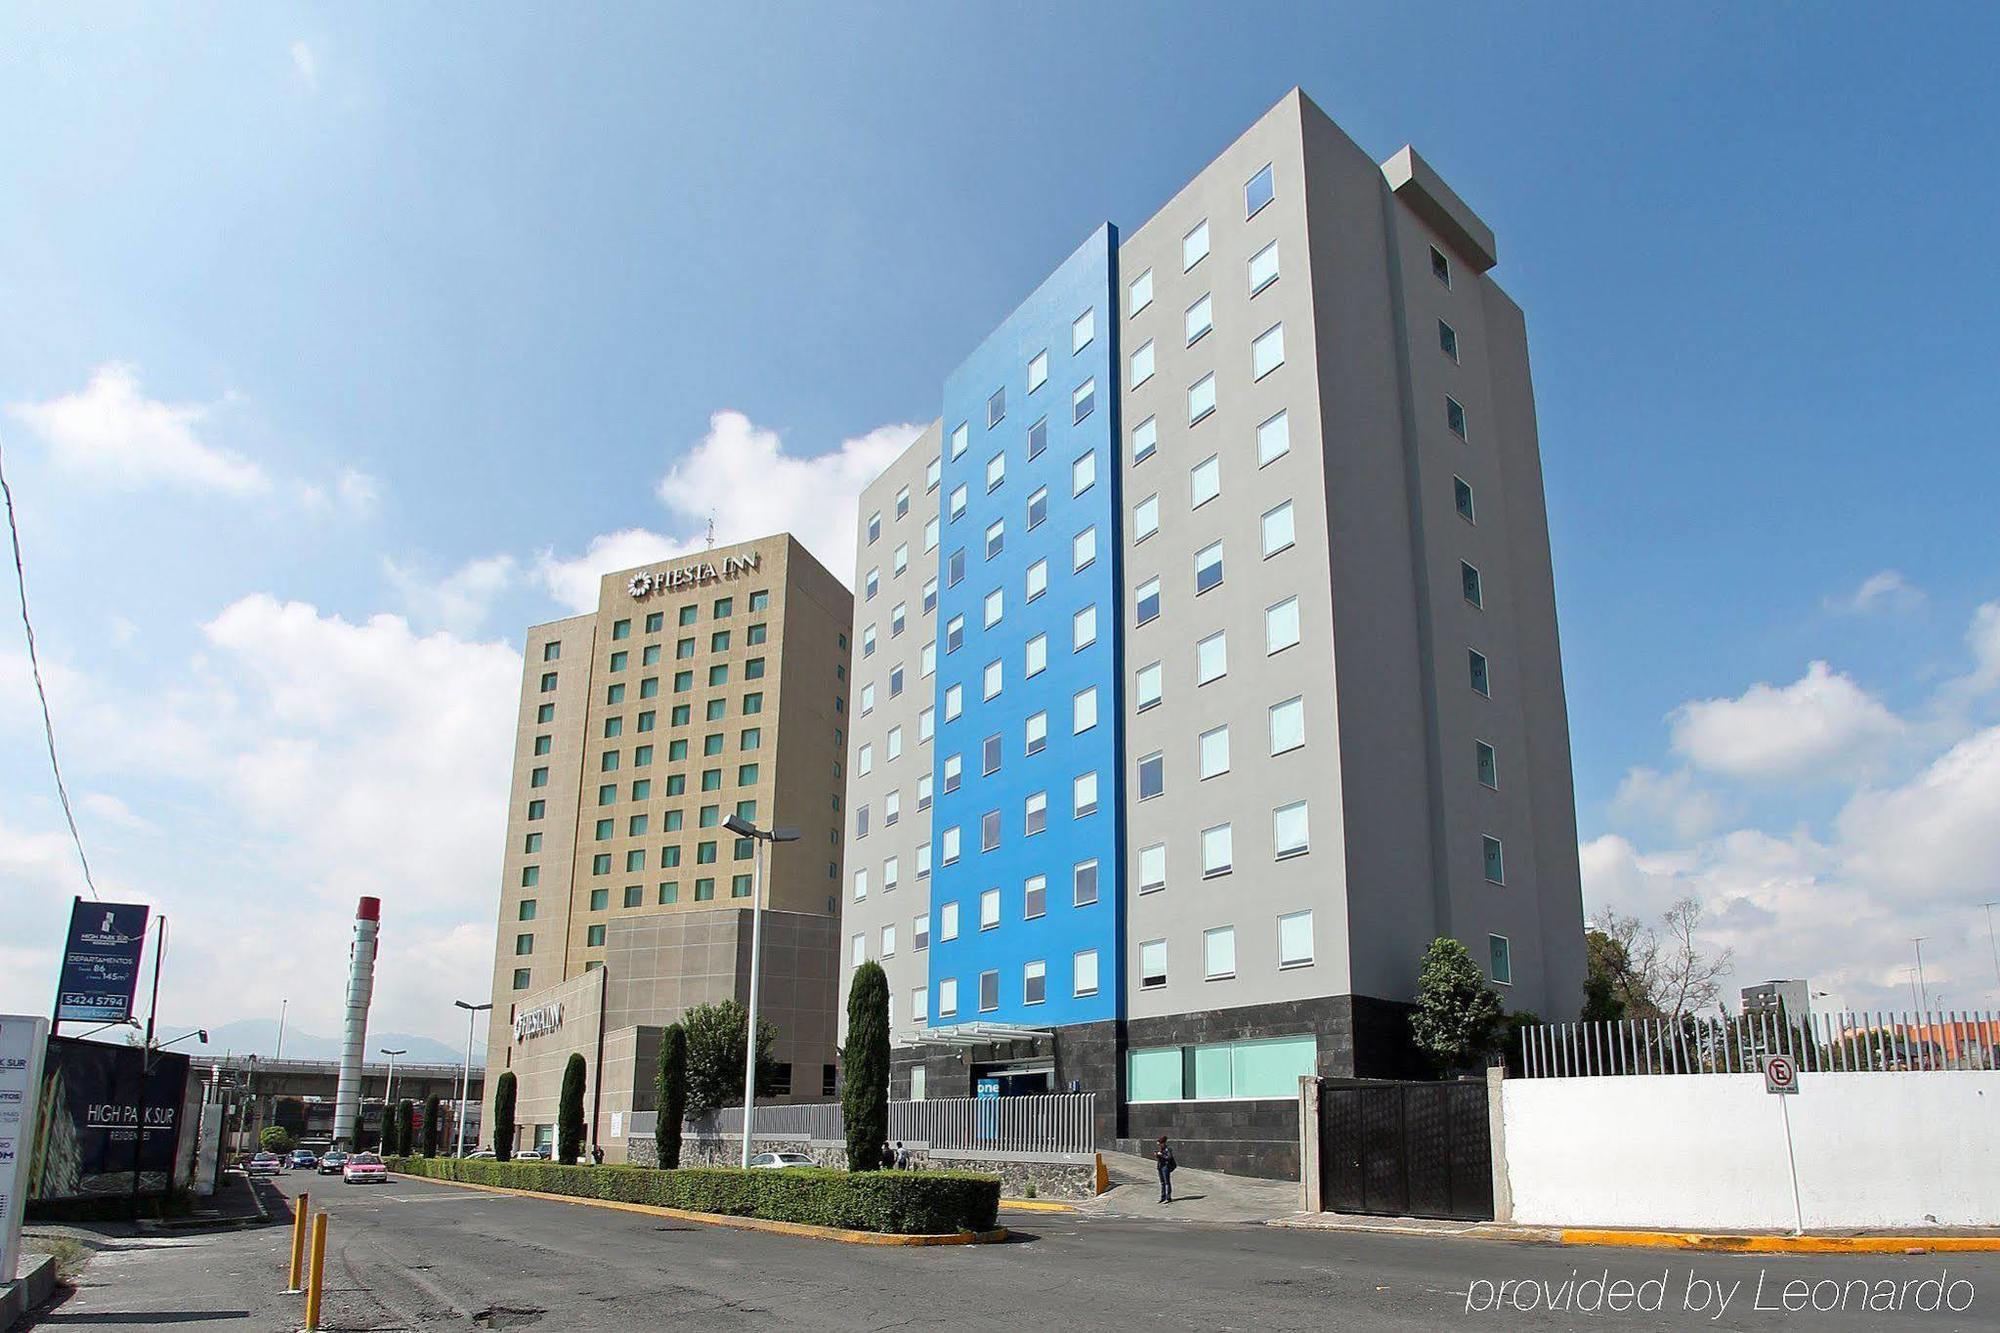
column 1405, row 1149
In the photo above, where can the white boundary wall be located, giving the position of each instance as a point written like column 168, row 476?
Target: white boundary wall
column 1707, row 1151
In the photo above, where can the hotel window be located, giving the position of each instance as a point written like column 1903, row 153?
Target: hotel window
column 521, row 978
column 1454, row 416
column 1037, row 655
column 989, row 991
column 1035, row 813
column 621, row 629
column 861, row 884
column 990, row 680
column 1083, row 628
column 902, row 508
column 669, row 893
column 1218, row 953
column 1201, row 398
column 1461, row 494
column 996, row 537
column 1440, row 266
column 1038, row 438
column 1267, row 353
column 889, row 941
column 1204, row 481
column 1200, row 319
column 954, row 634
column 746, row 775
column 926, row 722
column 608, row 762
column 684, row 648
column 961, row 435
column 619, row 659
column 635, row 895
column 683, row 682
column 1083, row 882
column 544, row 743
column 650, row 655
column 1288, row 725
column 635, row 826
column 1082, row 401
column 1295, row 939
column 1281, row 625
column 898, row 562
column 688, row 614
column 1145, row 439
column 1083, row 970
column 600, row 864
column 1037, row 733
column 1083, row 550
column 1212, row 751
column 1499, row 960
column 1139, row 293
column 1194, row 246
column 1034, row 979
column 1468, row 579
column 608, row 794
column 1211, row 658
column 1152, row 964
column 655, row 622
column 864, row 761
column 1083, row 794
column 859, row 953
column 523, row 945
column 947, row 997
column 1145, row 518
column 948, row 845
column 1448, row 340
column 954, row 768
column 1217, row 850
column 989, row 909
column 1152, row 775
column 1476, row 663
column 989, row 830
column 649, row 688
column 1274, row 439
column 536, row 809
column 1038, row 508
column 931, row 533
column 874, row 526
column 1038, row 370
column 996, row 471
column 551, row 651
column 930, row 594
column 530, row 876
column 892, row 808
column 1146, row 686
column 752, row 703
column 1278, row 529
column 895, row 742
column 1153, row 867
column 1146, row 601
column 1288, row 830
column 994, row 607
column 1207, row 568
column 996, row 407
column 545, row 713
column 749, row 738
column 1493, row 858
column 704, row 889
column 868, row 698
column 1257, row 192
column 548, row 682
column 1142, row 364
column 958, row 501
column 1081, row 330
column 1487, row 765
column 539, row 778
column 948, row 921
column 1264, row 268
column 1083, row 473
column 752, row 670
column 532, row 843
column 1038, row 579
column 1083, row 710
column 933, row 472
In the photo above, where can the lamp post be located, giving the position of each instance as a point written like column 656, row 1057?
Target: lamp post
column 1923, row 991
column 389, row 1093
column 472, row 1011
column 284, row 1007
column 743, row 828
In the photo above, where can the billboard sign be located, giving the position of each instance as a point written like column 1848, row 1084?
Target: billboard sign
column 92, row 1126
column 22, row 1040
column 100, row 969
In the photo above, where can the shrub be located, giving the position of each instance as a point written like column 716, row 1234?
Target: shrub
column 671, row 1083
column 569, row 1111
column 431, row 1126
column 1457, row 1016
column 503, row 1116
column 897, row 1202
column 274, row 1138
column 864, row 1100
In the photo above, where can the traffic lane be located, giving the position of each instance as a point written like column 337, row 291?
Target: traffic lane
column 420, row 1252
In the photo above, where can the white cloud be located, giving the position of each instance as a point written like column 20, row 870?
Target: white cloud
column 459, row 601
column 306, row 64
column 573, row 580
column 108, row 809
column 111, row 433
column 1886, row 591
column 1938, row 835
column 1671, row 801
column 1822, row 724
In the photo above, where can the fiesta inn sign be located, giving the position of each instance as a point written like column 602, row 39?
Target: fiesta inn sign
column 535, row 1022
column 649, row 581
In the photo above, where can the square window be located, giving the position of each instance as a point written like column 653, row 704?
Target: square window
column 551, row 651
column 600, row 900
column 1038, row 370
column 635, row 895
column 1194, row 246
column 1216, row 850
column 1493, row 859
column 530, row 876
column 1267, row 352
column 1274, row 439
column 1264, row 268
column 650, row 655
column 1461, row 496
column 752, row 670
column 1476, row 664
column 1142, row 364
column 1213, row 752
column 543, row 743
column 670, row 892
column 1146, row 601
column 684, row 648
column 1038, row 579
column 1199, row 319
column 593, row 936
column 1083, row 794
column 1448, row 340
column 1487, row 765
column 1211, row 658
column 1083, row 710
column 1278, row 529
column 1207, row 568
column 1152, row 964
column 545, row 713
column 1468, row 579
column 1454, row 416
column 1145, row 518
column 1082, row 401
column 1295, row 939
column 996, row 407
column 996, row 537
column 1083, row 473
column 1083, row 550
column 704, row 889
column 536, row 809
column 1204, row 481
column 1500, row 962
column 1083, row 880
column 1145, row 439
column 1201, row 398
column 548, row 682
column 1281, row 625
column 724, row 606
column 995, row 607
column 1257, row 192
column 1153, row 868
column 1146, row 686
column 619, row 659
column 539, row 778
column 1152, row 775
column 1218, row 953
column 1082, row 330
column 1083, row 628
column 1083, row 969
column 1440, row 266
column 1288, row 725
column 521, row 975
column 1288, row 830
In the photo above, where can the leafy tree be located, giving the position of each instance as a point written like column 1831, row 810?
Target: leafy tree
column 864, row 1101
column 1606, row 963
column 1457, row 1013
column 670, row 1083
column 569, row 1111
column 715, row 1034
column 274, row 1138
column 432, row 1117
column 503, row 1117
column 1635, row 971
column 1517, row 1023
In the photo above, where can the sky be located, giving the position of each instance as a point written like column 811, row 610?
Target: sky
column 340, row 344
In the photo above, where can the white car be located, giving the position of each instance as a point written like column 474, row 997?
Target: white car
column 778, row 1161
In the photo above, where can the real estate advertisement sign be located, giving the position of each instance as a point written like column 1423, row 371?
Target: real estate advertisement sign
column 96, row 1119
column 100, row 970
column 22, row 1040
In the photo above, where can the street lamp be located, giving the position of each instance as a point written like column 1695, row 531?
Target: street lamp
column 472, row 1011
column 389, row 1094
column 743, row 828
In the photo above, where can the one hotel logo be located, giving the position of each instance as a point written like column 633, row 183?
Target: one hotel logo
column 649, row 581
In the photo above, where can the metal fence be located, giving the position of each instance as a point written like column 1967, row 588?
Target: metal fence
column 1868, row 1042
column 1051, row 1125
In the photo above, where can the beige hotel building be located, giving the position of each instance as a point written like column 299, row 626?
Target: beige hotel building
column 704, row 687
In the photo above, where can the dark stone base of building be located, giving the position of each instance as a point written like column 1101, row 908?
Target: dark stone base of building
column 1358, row 1037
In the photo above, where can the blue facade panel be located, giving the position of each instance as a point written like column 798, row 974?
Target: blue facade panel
column 1063, row 433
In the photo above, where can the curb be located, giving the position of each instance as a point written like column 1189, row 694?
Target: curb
column 1769, row 1244
column 1036, row 1206
column 804, row 1230
column 36, row 1284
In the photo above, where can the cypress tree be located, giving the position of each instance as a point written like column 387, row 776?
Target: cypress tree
column 431, row 1116
column 503, row 1117
column 569, row 1112
column 864, row 1101
column 671, row 1083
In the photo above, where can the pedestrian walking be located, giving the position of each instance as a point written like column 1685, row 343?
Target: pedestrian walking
column 597, row 1153
column 902, row 1157
column 1163, row 1157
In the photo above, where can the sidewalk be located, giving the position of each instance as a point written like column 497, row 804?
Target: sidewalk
column 1199, row 1196
column 1756, row 1242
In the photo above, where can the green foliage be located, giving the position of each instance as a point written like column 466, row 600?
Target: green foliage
column 715, row 1036
column 1607, row 980
column 406, row 1127
column 670, row 1083
column 569, row 1111
column 1457, row 1015
column 897, row 1202
column 431, row 1126
column 864, row 1101
column 274, row 1138
column 504, row 1093
column 1517, row 1023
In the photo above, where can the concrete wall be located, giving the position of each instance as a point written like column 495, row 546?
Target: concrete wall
column 1707, row 1151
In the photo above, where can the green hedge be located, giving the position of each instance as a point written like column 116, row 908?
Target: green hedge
column 911, row 1203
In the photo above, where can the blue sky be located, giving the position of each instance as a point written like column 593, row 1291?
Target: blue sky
column 341, row 343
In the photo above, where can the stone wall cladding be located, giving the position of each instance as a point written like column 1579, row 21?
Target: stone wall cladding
column 1048, row 1180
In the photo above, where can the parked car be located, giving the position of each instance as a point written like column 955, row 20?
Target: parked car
column 778, row 1161
column 364, row 1168
column 264, row 1164
column 479, row 1155
column 331, row 1163
column 532, row 1155
column 303, row 1160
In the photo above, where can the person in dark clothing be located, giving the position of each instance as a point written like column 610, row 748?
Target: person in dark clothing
column 597, row 1153
column 1163, row 1157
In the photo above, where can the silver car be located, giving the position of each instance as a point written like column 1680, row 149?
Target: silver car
column 779, row 1161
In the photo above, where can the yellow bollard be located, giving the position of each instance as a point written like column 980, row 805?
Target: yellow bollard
column 316, row 1281
column 298, row 1270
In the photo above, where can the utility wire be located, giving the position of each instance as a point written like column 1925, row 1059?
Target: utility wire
column 35, row 667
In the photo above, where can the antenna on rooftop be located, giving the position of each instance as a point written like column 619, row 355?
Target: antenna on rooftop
column 711, row 529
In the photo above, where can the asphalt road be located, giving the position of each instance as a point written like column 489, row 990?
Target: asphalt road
column 414, row 1255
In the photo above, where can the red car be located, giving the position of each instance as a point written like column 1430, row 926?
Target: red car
column 364, row 1168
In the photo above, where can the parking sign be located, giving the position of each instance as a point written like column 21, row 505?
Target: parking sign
column 1781, row 1074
